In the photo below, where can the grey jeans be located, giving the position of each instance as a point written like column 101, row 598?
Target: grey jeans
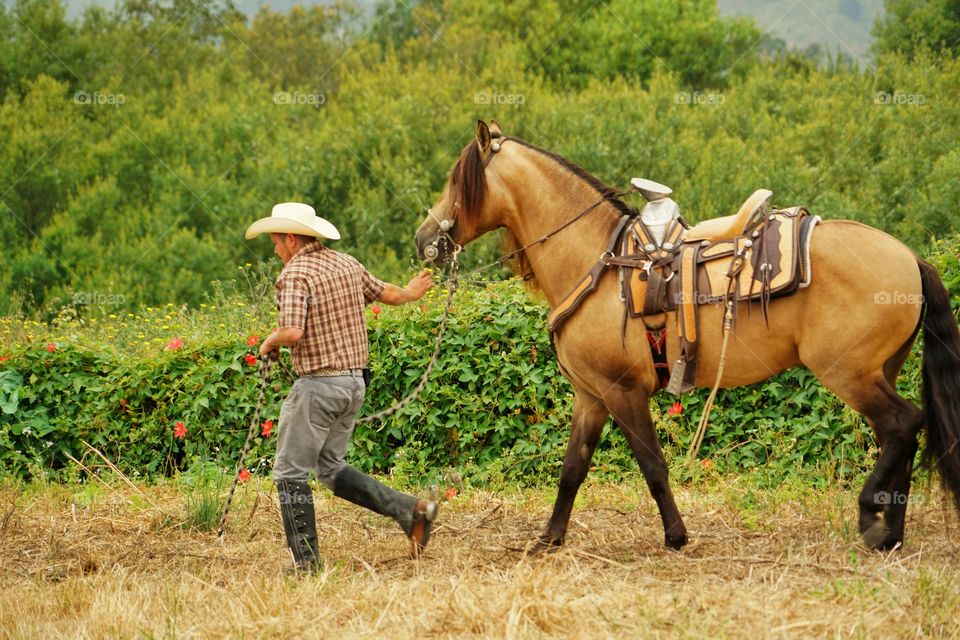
column 316, row 422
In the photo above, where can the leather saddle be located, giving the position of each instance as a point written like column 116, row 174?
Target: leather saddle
column 755, row 255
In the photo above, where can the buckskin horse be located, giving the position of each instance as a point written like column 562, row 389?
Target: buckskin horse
column 852, row 326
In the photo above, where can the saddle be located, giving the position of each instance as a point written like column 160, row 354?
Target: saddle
column 754, row 255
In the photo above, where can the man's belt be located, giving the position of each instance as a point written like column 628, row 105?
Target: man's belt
column 333, row 373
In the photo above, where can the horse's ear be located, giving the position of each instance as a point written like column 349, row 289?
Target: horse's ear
column 495, row 129
column 483, row 135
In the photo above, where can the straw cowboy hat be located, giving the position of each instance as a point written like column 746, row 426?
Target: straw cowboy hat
column 293, row 217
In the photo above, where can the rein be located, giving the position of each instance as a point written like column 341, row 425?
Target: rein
column 502, row 259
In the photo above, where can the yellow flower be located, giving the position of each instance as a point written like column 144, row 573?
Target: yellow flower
column 112, row 316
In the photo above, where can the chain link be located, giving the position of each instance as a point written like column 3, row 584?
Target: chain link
column 266, row 364
column 452, row 283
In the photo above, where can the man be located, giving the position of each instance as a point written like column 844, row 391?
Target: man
column 321, row 294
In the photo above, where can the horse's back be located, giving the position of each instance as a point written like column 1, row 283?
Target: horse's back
column 861, row 307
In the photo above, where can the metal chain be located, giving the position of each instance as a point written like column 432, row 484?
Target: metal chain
column 266, row 364
column 451, row 289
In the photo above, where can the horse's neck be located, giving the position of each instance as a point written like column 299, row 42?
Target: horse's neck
column 548, row 199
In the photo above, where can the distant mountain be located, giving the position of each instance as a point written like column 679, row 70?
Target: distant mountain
column 835, row 25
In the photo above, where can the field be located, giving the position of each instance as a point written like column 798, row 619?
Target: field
column 783, row 562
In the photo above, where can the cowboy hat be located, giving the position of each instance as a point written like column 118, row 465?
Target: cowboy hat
column 293, row 217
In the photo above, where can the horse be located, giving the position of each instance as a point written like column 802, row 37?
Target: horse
column 853, row 327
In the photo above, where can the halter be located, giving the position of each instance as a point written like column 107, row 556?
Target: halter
column 432, row 250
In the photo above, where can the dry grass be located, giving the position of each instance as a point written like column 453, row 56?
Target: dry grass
column 761, row 564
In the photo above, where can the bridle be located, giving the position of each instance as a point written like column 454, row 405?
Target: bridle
column 432, row 251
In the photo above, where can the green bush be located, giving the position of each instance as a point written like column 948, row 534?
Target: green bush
column 495, row 407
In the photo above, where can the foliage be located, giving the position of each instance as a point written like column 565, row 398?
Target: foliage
column 912, row 26
column 202, row 486
column 495, row 408
column 136, row 144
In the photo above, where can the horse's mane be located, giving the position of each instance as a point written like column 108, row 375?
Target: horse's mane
column 468, row 183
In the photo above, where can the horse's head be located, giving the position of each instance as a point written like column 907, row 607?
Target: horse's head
column 468, row 207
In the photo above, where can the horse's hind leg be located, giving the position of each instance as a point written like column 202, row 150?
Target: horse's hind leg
column 896, row 423
column 898, row 488
column 589, row 415
column 632, row 413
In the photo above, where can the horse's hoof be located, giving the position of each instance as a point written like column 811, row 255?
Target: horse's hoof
column 877, row 536
column 546, row 544
column 676, row 542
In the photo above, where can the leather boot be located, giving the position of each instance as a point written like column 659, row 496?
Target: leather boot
column 414, row 516
column 299, row 523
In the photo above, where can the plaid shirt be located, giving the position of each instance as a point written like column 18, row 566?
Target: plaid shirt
column 324, row 292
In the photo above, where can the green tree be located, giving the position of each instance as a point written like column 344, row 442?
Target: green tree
column 906, row 26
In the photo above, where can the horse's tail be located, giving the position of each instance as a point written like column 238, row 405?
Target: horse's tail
column 941, row 381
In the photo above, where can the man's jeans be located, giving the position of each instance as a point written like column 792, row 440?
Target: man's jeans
column 316, row 423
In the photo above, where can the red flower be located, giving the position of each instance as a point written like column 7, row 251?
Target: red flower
column 450, row 493
column 123, row 405
column 244, row 475
column 267, row 429
column 376, row 309
column 175, row 344
column 251, row 359
column 51, row 347
column 707, row 464
column 676, row 409
column 179, row 430
column 252, row 340
column 4, row 358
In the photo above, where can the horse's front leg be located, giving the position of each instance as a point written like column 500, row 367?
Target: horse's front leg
column 631, row 410
column 589, row 415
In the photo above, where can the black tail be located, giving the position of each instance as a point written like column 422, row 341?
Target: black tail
column 941, row 381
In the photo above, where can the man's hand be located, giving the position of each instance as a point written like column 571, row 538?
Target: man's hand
column 415, row 289
column 420, row 284
column 286, row 337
